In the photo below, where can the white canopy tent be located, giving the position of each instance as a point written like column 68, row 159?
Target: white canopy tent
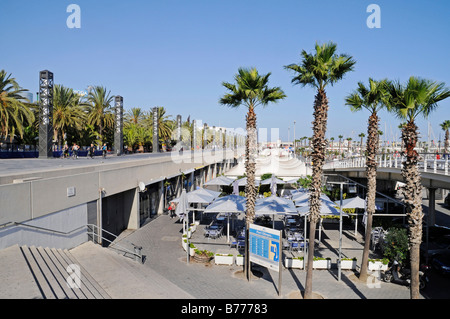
column 326, row 209
column 273, row 182
column 220, row 181
column 354, row 202
column 243, row 181
column 231, row 204
column 182, row 208
column 274, row 205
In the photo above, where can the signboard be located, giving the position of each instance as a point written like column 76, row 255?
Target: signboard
column 265, row 247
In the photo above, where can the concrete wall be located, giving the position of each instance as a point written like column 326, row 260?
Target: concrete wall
column 69, row 221
column 105, row 195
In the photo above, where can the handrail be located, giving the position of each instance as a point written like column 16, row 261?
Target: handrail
column 137, row 249
column 137, row 253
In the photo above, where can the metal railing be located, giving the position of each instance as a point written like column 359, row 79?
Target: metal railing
column 428, row 163
column 94, row 231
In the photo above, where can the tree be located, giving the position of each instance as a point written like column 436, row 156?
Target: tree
column 349, row 145
column 135, row 116
column 372, row 98
column 319, row 69
column 251, row 90
column 99, row 110
column 14, row 111
column 340, row 143
column 67, row 112
column 165, row 124
column 417, row 97
column 445, row 127
column 361, row 135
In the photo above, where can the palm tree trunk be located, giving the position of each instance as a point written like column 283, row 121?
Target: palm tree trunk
column 446, row 141
column 413, row 201
column 372, row 149
column 250, row 188
column 318, row 156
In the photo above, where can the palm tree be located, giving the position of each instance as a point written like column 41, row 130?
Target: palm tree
column 445, row 127
column 165, row 124
column 99, row 110
column 318, row 70
column 417, row 97
column 340, row 143
column 349, row 144
column 373, row 99
column 135, row 115
column 332, row 143
column 361, row 135
column 14, row 111
column 251, row 90
column 67, row 111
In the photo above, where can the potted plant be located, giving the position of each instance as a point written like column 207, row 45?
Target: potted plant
column 321, row 263
column 184, row 241
column 223, row 259
column 192, row 250
column 378, row 264
column 239, row 260
column 348, row 263
column 203, row 255
column 294, row 262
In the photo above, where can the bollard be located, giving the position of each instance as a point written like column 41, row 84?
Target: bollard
column 137, row 254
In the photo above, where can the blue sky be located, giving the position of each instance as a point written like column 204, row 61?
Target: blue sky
column 176, row 53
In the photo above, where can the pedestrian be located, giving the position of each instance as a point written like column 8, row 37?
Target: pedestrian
column 66, row 151
column 172, row 209
column 75, row 148
column 104, row 149
column 91, row 151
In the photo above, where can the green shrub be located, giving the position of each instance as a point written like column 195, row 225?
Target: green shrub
column 395, row 244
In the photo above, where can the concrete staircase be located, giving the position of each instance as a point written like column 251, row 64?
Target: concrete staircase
column 37, row 272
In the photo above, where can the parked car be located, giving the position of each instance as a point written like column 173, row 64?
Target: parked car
column 441, row 263
column 447, row 200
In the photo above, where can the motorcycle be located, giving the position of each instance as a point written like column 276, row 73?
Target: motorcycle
column 398, row 274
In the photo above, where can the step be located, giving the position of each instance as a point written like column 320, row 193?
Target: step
column 41, row 280
column 59, row 270
column 49, row 268
column 49, row 271
column 16, row 279
column 89, row 286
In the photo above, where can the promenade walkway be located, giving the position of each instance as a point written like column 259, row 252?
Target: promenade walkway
column 161, row 242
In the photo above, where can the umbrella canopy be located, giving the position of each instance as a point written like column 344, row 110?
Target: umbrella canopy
column 305, row 201
column 199, row 196
column 243, row 181
column 274, row 205
column 272, row 180
column 227, row 204
column 236, row 187
column 355, row 202
column 325, row 209
column 183, row 205
column 302, row 199
column 206, row 192
column 220, row 181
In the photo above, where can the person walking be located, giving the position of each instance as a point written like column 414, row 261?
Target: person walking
column 104, row 150
column 91, row 151
column 75, row 148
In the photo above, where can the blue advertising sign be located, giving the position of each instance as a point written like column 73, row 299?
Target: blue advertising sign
column 265, row 246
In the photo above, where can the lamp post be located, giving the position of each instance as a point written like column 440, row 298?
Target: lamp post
column 294, row 140
column 45, row 114
column 341, row 186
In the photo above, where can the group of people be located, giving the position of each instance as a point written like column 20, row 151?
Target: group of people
column 75, row 148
